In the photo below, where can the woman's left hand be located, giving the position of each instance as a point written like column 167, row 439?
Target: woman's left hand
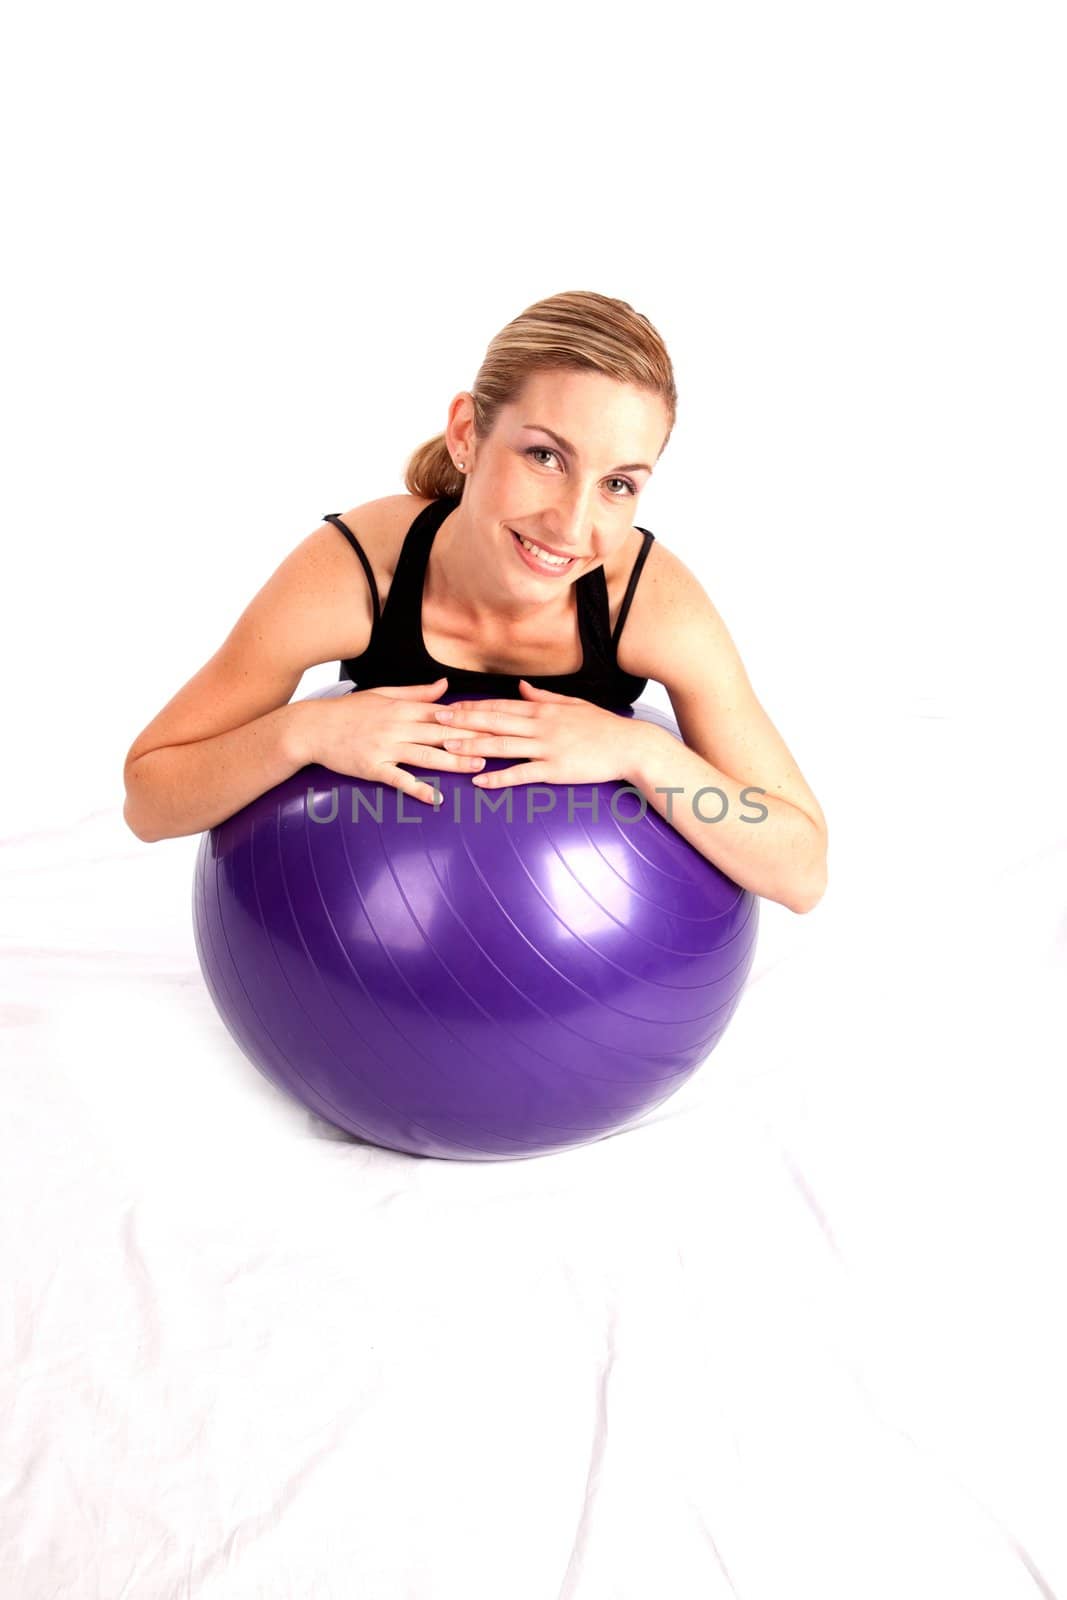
column 563, row 738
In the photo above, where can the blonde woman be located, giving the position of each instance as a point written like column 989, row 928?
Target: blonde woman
column 510, row 568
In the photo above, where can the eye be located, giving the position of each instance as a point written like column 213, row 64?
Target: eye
column 543, row 450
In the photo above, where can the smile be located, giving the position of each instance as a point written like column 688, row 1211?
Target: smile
column 540, row 558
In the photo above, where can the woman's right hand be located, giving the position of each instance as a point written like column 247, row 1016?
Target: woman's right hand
column 366, row 734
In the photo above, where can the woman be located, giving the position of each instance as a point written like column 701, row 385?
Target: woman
column 509, row 567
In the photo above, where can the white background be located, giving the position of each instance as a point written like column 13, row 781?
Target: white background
column 254, row 256
column 252, row 253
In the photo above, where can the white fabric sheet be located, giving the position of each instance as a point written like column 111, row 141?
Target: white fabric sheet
column 800, row 1333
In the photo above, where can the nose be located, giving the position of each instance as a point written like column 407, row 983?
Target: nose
column 569, row 525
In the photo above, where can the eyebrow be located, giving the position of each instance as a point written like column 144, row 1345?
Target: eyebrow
column 565, row 444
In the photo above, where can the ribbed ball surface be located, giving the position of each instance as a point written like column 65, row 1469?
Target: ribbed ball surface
column 461, row 984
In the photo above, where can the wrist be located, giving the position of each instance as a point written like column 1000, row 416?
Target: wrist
column 647, row 746
column 299, row 725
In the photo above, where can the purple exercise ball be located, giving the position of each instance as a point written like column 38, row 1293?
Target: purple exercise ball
column 455, row 981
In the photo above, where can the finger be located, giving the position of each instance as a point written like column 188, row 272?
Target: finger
column 414, row 691
column 494, row 744
column 499, row 716
column 421, row 755
column 515, row 708
column 422, row 730
column 532, row 772
column 408, row 783
column 545, row 694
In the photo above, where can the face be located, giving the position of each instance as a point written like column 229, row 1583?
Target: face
column 563, row 468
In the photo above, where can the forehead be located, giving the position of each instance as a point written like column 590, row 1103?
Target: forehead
column 598, row 414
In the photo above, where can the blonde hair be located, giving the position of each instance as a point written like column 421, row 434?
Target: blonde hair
column 579, row 331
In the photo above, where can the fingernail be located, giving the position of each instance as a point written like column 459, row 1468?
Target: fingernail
column 443, row 716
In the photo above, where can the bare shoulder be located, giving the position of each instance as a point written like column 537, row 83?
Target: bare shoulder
column 315, row 607
column 342, row 596
column 389, row 513
column 680, row 640
column 376, row 524
column 667, row 598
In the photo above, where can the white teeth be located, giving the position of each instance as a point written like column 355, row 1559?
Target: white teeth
column 542, row 555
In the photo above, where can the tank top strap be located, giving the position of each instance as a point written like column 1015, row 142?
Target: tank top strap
column 403, row 603
column 397, row 652
column 627, row 599
column 342, row 527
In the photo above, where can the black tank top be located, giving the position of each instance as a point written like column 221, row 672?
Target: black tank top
column 397, row 652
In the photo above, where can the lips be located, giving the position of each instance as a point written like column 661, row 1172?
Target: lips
column 563, row 554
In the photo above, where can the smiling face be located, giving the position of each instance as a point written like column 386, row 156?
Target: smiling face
column 561, row 470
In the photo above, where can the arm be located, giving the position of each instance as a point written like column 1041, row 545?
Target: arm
column 730, row 745
column 761, row 841
column 187, row 788
column 230, row 734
